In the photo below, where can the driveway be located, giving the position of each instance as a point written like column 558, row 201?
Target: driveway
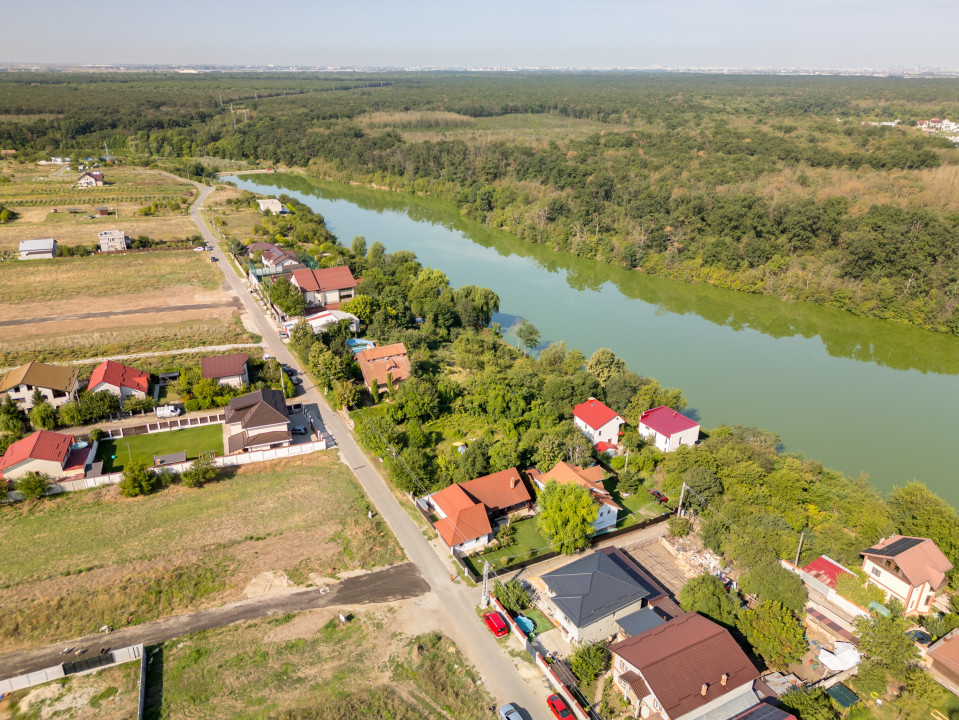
column 390, row 584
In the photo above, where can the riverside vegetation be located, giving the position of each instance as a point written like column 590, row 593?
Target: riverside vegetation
column 768, row 185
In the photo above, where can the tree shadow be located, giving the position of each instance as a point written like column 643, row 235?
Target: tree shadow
column 153, row 701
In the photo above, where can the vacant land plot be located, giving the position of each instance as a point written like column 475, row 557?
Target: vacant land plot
column 234, row 222
column 111, row 694
column 72, row 308
column 116, row 454
column 313, row 666
column 85, row 559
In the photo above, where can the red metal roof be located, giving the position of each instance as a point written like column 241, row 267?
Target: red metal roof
column 666, row 421
column 42, row 445
column 594, row 413
column 324, row 279
column 119, row 375
column 826, row 570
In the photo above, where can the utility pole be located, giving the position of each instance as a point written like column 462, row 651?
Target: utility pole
column 802, row 536
column 681, row 496
column 486, row 583
column 626, row 465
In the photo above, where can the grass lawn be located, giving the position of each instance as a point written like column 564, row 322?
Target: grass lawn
column 110, row 694
column 311, row 666
column 115, row 454
column 527, row 538
column 84, row 559
column 542, row 624
column 637, row 507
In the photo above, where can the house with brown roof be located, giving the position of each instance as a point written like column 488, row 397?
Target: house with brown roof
column 226, row 369
column 45, row 452
column 942, row 657
column 58, row 384
column 278, row 258
column 910, row 569
column 685, row 669
column 90, row 179
column 465, row 509
column 119, row 379
column 386, row 365
column 590, row 478
column 257, row 421
column 326, row 287
column 589, row 597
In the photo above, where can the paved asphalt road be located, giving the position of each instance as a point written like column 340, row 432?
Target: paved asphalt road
column 393, row 583
column 458, row 602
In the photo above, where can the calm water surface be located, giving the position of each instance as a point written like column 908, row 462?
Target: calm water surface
column 859, row 395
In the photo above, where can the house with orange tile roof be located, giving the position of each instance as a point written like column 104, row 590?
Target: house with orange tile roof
column 590, row 478
column 119, row 379
column 466, row 509
column 387, row 365
column 910, row 569
column 46, row 452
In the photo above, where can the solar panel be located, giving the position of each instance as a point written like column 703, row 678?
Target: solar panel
column 764, row 711
column 900, row 546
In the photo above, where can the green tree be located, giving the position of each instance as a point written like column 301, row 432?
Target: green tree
column 588, row 661
column 302, row 338
column 808, row 704
column 326, row 367
column 33, row 485
column 475, row 306
column 13, row 419
column 200, row 472
column 921, row 692
column 286, row 296
column 363, row 306
column 768, row 580
column 566, row 516
column 512, row 596
column 775, row 633
column 236, row 248
column 528, row 335
column 138, row 479
column 884, row 642
column 358, row 246
column 706, row 595
column 919, row 512
column 70, row 415
column 603, row 365
column 43, row 416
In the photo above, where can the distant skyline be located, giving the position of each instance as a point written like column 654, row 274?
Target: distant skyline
column 833, row 34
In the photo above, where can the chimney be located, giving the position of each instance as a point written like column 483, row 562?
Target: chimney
column 513, row 482
column 725, row 679
column 704, row 689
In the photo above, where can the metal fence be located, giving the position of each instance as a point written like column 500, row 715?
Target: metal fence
column 164, row 426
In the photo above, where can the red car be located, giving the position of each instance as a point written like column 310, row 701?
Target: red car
column 559, row 707
column 496, row 624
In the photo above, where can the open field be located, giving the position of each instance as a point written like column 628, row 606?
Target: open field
column 81, row 230
column 113, row 305
column 233, row 222
column 377, row 665
column 110, row 694
column 116, row 454
column 85, row 559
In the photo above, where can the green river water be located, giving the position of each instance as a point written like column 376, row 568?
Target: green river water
column 857, row 394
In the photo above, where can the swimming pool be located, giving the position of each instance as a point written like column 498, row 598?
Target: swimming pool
column 358, row 345
column 525, row 624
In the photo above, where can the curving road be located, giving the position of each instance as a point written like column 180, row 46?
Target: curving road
column 457, row 602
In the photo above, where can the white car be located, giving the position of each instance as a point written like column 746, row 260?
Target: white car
column 509, row 712
column 199, row 249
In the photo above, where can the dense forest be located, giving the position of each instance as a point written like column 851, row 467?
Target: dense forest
column 775, row 185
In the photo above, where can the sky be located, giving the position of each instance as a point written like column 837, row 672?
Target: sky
column 494, row 33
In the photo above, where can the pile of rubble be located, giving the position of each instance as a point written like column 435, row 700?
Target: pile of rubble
column 692, row 557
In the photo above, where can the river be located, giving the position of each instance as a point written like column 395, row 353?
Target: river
column 857, row 394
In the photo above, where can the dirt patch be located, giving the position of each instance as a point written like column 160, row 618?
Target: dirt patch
column 171, row 297
column 271, row 582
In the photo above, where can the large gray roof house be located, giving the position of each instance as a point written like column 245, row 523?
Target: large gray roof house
column 588, row 596
column 257, row 421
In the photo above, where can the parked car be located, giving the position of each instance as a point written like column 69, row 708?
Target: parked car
column 199, row 248
column 660, row 498
column 167, row 411
column 298, row 430
column 559, row 707
column 212, row 257
column 494, row 621
column 509, row 712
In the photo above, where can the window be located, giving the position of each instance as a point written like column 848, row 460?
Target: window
column 877, row 572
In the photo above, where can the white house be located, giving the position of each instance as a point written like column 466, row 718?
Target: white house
column 271, row 205
column 668, row 429
column 41, row 249
column 120, row 380
column 278, row 259
column 113, row 241
column 601, row 424
column 590, row 478
column 90, row 179
column 226, row 369
column 45, row 452
column 326, row 287
column 57, row 384
column 320, row 320
column 910, row 569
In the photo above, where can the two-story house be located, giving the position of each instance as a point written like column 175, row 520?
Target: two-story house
column 90, row 179
column 591, row 478
column 45, row 452
column 598, row 422
column 226, row 369
column 326, row 287
column 58, row 384
column 119, row 379
column 667, row 429
column 685, row 669
column 113, row 240
column 257, row 421
column 386, row 365
column 590, row 596
column 911, row 569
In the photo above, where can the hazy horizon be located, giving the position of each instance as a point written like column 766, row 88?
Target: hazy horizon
column 827, row 34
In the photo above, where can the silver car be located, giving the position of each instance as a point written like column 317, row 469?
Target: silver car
column 509, row 712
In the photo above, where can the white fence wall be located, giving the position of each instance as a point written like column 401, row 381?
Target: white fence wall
column 167, row 425
column 835, row 598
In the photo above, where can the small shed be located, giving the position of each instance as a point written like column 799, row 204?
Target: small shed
column 842, row 695
column 169, row 458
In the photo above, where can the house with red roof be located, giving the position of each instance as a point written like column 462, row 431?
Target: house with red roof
column 46, row 452
column 590, row 478
column 826, row 570
column 598, row 422
column 910, row 569
column 326, row 287
column 120, row 380
column 226, row 369
column 685, row 668
column 466, row 509
column 667, row 429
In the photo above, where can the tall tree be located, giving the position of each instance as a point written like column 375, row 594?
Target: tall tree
column 706, row 595
column 775, row 633
column 528, row 335
column 603, row 364
column 566, row 516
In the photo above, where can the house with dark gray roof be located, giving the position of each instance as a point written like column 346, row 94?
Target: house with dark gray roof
column 588, row 596
column 257, row 421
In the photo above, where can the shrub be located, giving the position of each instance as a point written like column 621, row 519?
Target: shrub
column 96, row 434
column 33, row 485
column 138, row 479
column 506, row 535
column 199, row 473
column 588, row 661
column 512, row 595
column 680, row 526
column 618, row 462
column 629, row 482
